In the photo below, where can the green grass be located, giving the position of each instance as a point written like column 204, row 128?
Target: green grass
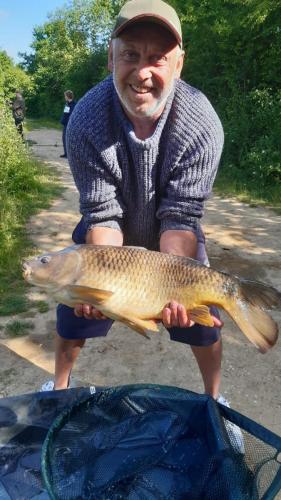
column 18, row 328
column 15, row 210
column 13, row 301
column 28, row 314
column 248, row 191
column 42, row 306
column 37, row 123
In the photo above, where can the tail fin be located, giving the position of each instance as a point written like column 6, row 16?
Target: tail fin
column 249, row 314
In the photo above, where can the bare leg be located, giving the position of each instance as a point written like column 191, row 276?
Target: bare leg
column 209, row 362
column 66, row 353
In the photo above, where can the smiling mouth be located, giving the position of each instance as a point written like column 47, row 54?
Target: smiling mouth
column 140, row 90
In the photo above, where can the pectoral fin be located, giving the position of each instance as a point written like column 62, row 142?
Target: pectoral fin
column 201, row 315
column 88, row 295
column 141, row 326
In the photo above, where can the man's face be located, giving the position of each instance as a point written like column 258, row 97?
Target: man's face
column 145, row 60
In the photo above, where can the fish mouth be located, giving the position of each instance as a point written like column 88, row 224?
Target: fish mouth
column 26, row 270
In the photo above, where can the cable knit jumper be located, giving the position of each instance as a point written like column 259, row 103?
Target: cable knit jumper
column 144, row 187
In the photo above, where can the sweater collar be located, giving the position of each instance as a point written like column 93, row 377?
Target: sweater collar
column 127, row 126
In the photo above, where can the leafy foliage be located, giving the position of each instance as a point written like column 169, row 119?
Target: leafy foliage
column 69, row 53
column 12, row 78
column 233, row 52
column 232, row 45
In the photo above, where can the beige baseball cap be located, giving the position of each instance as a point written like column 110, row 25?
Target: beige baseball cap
column 154, row 11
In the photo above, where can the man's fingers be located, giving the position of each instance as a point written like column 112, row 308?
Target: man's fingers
column 87, row 311
column 217, row 322
column 183, row 318
column 78, row 310
column 166, row 317
column 175, row 314
column 99, row 315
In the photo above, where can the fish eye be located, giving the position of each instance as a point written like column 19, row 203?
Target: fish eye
column 45, row 259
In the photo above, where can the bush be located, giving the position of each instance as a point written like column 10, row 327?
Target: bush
column 17, row 182
column 252, row 124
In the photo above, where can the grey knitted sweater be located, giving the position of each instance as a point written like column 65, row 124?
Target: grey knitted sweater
column 144, row 187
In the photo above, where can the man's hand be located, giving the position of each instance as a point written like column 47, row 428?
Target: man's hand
column 179, row 243
column 88, row 312
column 175, row 314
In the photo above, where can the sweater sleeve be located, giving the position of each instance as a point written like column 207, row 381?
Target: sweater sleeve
column 100, row 199
column 190, row 183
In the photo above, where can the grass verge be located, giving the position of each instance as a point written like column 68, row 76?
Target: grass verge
column 18, row 328
column 247, row 190
column 16, row 208
column 37, row 123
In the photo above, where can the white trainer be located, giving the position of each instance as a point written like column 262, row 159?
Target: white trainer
column 48, row 386
column 233, row 431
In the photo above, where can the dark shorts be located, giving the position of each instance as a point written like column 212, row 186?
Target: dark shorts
column 70, row 327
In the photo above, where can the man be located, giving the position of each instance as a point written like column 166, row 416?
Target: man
column 67, row 110
column 144, row 148
column 18, row 109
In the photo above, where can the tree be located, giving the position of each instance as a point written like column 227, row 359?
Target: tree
column 69, row 52
column 12, row 77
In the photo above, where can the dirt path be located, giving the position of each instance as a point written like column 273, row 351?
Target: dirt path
column 241, row 239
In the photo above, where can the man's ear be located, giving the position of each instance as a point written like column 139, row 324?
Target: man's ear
column 110, row 57
column 179, row 64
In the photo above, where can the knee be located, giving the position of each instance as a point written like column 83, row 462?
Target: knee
column 69, row 347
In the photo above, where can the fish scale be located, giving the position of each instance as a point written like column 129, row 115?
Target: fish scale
column 123, row 272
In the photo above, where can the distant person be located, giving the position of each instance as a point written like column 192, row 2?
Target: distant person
column 18, row 108
column 67, row 110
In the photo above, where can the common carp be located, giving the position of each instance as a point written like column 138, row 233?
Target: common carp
column 133, row 285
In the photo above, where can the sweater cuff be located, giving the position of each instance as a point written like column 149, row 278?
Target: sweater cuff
column 176, row 225
column 113, row 224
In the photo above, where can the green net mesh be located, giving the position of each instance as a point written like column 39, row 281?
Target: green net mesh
column 145, row 442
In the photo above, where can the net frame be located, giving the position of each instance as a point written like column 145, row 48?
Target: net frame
column 249, row 428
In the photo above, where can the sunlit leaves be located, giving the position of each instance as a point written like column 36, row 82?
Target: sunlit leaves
column 12, row 77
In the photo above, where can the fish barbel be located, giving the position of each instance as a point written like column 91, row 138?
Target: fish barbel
column 133, row 285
